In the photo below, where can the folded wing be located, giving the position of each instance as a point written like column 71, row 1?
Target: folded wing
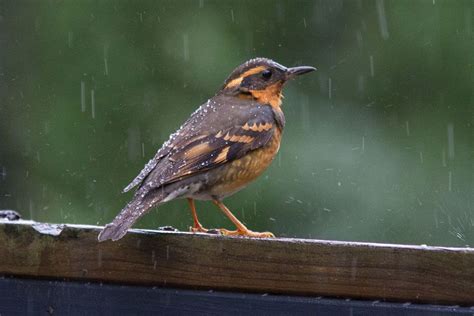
column 253, row 129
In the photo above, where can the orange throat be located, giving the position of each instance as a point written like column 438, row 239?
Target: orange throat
column 271, row 95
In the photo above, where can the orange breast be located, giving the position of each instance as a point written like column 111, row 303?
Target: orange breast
column 238, row 173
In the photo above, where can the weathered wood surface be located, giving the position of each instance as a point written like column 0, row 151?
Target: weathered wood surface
column 289, row 266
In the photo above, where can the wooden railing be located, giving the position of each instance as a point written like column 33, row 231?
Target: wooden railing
column 354, row 270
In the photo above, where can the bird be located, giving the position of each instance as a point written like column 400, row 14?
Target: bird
column 223, row 146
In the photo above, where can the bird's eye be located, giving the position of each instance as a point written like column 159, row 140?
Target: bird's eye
column 266, row 74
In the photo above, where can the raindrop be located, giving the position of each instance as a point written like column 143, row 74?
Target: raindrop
column 353, row 268
column 280, row 11
column 83, row 96
column 99, row 258
column 407, row 128
column 382, row 19
column 106, row 66
column 106, row 60
column 232, row 15
column 70, row 39
column 360, row 83
column 93, row 104
column 443, row 158
column 4, row 173
column 450, row 141
column 304, row 22
column 186, row 47
column 201, row 4
column 359, row 38
column 330, row 88
column 450, row 181
column 371, row 65
column 468, row 19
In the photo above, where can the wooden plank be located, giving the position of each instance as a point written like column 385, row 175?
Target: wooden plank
column 289, row 266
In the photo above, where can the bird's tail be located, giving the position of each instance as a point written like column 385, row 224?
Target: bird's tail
column 128, row 216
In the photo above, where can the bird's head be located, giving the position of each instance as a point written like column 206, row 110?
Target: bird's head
column 261, row 79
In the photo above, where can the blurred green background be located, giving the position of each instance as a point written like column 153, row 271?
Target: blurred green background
column 379, row 144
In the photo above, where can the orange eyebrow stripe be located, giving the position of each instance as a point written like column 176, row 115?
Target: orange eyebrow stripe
column 234, row 82
column 253, row 71
column 249, row 72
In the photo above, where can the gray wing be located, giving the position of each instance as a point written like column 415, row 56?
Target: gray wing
column 199, row 141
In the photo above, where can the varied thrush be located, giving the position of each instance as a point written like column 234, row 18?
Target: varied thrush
column 225, row 144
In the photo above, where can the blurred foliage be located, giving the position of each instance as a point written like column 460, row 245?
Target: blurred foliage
column 379, row 144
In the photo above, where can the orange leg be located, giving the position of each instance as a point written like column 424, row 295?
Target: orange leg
column 197, row 227
column 241, row 229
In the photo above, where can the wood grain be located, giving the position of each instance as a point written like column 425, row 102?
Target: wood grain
column 291, row 266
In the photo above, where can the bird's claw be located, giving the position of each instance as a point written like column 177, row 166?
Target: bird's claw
column 226, row 232
column 246, row 233
column 197, row 229
column 200, row 229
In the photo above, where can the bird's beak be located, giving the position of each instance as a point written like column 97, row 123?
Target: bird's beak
column 296, row 71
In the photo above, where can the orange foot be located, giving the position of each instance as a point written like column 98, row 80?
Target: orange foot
column 246, row 233
column 198, row 229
